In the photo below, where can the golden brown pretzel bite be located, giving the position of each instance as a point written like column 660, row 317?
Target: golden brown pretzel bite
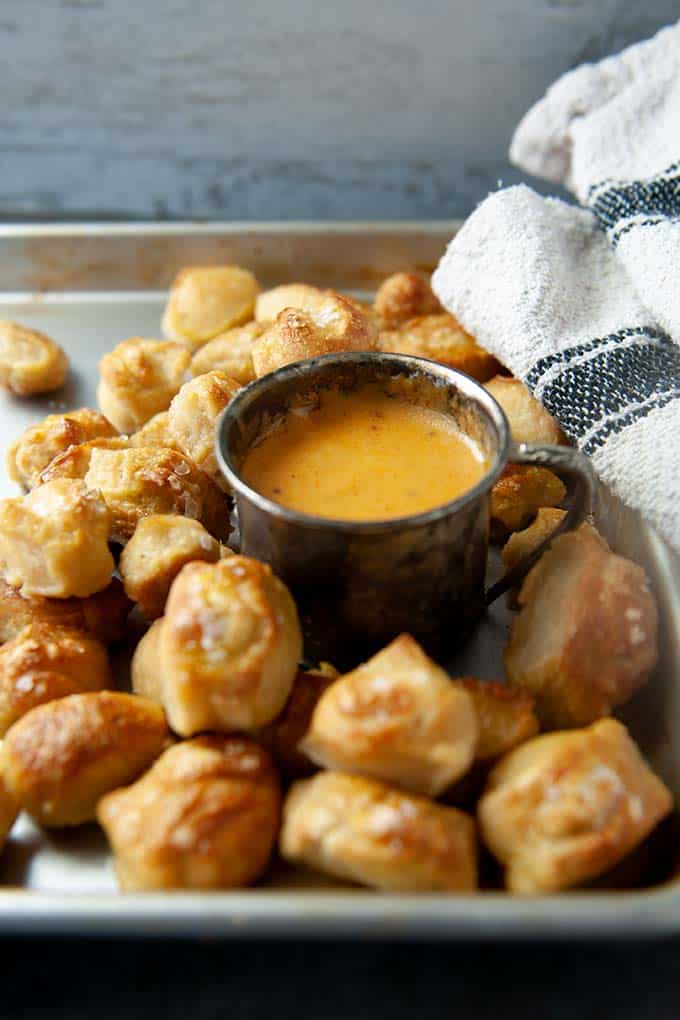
column 519, row 494
column 206, row 300
column 54, row 541
column 565, row 807
column 228, row 647
column 403, row 296
column 337, row 324
column 161, row 545
column 585, row 639
column 62, row 757
column 440, row 338
column 43, row 663
column 139, row 378
column 103, row 614
column 230, row 352
column 192, row 419
column 397, row 717
column 38, row 445
column 301, row 296
column 29, row 361
column 283, row 734
column 505, row 716
column 9, row 808
column 135, row 482
column 529, row 421
column 521, row 544
column 367, row 832
column 205, row 816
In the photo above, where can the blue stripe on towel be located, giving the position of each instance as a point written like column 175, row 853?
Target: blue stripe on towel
column 616, row 203
column 595, row 397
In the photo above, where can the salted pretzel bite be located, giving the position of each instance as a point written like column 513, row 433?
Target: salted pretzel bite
column 135, row 482
column 9, row 808
column 206, row 300
column 565, row 807
column 403, row 296
column 230, row 352
column 160, row 546
column 30, row 362
column 139, row 378
column 397, row 717
column 103, row 614
column 337, row 324
column 441, row 338
column 301, row 296
column 367, row 832
column 39, row 444
column 228, row 647
column 528, row 419
column 282, row 736
column 43, row 663
column 205, row 816
column 519, row 494
column 585, row 639
column 62, row 757
column 54, row 541
column 192, row 419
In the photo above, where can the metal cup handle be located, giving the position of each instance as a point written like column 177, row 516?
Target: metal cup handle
column 575, row 471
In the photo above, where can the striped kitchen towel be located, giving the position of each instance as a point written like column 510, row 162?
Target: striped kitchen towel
column 536, row 281
column 610, row 132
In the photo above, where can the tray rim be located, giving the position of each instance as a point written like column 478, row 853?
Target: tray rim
column 293, row 912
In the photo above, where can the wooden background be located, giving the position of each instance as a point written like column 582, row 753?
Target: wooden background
column 280, row 108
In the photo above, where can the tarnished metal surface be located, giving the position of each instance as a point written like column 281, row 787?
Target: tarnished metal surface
column 97, row 288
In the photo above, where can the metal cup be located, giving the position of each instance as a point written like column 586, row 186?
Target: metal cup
column 358, row 584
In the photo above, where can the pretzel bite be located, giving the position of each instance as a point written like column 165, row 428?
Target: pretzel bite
column 192, row 419
column 207, row 300
column 153, row 433
column 522, row 543
column 519, row 494
column 364, row 831
column 396, row 717
column 39, row 444
column 585, row 639
column 54, row 541
column 230, row 352
column 139, row 378
column 62, row 757
column 440, row 338
column 301, row 296
column 404, row 296
column 9, row 808
column 529, row 421
column 205, row 816
column 228, row 647
column 337, row 324
column 43, row 663
column 283, row 735
column 103, row 614
column 566, row 807
column 145, row 671
column 505, row 716
column 135, row 482
column 29, row 361
column 161, row 545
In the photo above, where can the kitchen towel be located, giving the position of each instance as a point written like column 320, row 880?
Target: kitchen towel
column 536, row 282
column 580, row 302
column 610, row 132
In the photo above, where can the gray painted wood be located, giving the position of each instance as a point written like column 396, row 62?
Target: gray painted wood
column 280, row 108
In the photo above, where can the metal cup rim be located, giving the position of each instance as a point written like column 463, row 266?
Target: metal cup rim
column 470, row 387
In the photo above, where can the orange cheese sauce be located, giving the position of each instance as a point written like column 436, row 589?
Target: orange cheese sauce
column 364, row 456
